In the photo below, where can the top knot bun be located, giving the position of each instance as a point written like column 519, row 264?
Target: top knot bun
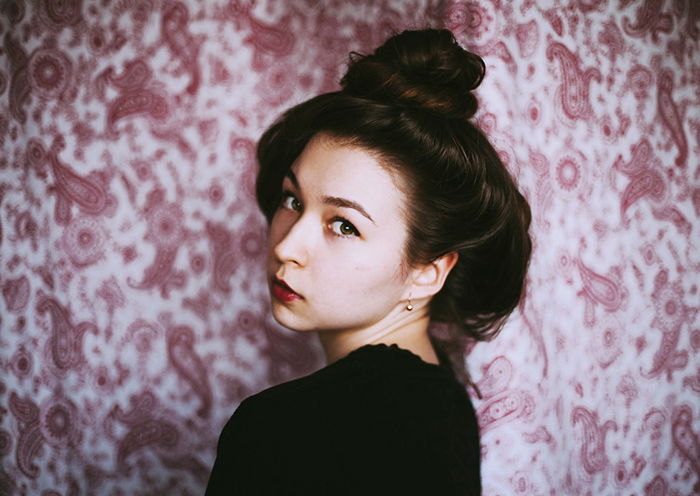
column 424, row 69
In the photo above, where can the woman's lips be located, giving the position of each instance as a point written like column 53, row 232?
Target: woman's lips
column 283, row 292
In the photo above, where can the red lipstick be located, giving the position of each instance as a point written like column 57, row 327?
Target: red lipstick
column 282, row 291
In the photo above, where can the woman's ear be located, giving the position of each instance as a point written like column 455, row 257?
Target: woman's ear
column 429, row 278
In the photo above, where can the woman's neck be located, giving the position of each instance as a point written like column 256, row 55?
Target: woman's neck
column 409, row 331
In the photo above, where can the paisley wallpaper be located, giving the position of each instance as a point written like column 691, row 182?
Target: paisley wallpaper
column 133, row 314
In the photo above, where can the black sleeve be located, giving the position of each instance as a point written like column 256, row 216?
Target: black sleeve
column 236, row 456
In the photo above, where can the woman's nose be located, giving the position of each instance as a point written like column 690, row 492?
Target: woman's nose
column 292, row 245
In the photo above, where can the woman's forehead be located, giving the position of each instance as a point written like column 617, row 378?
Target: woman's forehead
column 330, row 167
column 338, row 145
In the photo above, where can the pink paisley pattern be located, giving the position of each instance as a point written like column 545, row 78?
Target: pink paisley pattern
column 189, row 365
column 133, row 314
column 670, row 314
column 575, row 83
column 686, row 440
column 649, row 18
column 180, row 42
column 16, row 61
column 29, row 440
column 16, row 293
column 58, row 14
column 670, row 115
column 71, row 188
column 645, row 179
column 593, row 455
column 136, row 103
column 58, row 420
column 65, row 341
column 49, row 72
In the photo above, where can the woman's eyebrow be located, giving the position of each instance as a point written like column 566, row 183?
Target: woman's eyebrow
column 333, row 200
column 293, row 177
column 345, row 203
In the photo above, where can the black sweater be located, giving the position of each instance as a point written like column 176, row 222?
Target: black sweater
column 378, row 421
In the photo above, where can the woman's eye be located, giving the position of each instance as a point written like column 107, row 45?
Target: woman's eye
column 342, row 227
column 290, row 202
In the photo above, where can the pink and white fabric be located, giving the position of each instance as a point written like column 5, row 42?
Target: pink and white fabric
column 134, row 314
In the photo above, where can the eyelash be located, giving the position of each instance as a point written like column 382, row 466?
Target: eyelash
column 354, row 231
column 286, row 195
column 288, row 200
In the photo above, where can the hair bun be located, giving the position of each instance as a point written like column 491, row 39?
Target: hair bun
column 424, row 69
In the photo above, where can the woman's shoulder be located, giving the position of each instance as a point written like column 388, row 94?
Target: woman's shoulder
column 374, row 379
column 378, row 414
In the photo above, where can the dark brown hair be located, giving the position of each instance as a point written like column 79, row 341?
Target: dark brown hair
column 410, row 103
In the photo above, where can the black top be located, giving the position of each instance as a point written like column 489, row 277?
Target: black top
column 378, row 421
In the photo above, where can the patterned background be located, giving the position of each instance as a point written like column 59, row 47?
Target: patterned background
column 134, row 316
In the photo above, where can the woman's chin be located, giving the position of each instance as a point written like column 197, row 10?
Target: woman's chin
column 286, row 318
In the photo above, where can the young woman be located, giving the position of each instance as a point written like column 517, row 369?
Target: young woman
column 388, row 209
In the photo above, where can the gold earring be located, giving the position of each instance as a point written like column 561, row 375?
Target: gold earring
column 409, row 307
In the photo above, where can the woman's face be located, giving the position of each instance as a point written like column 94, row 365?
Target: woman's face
column 336, row 241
